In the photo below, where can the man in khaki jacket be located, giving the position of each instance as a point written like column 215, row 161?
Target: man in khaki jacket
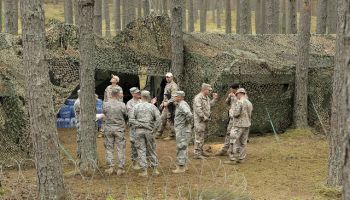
column 241, row 114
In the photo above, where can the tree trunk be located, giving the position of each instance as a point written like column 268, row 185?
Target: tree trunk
column 203, row 16
column 301, row 74
column 0, row 16
column 257, row 17
column 11, row 16
column 213, row 8
column 276, row 18
column 184, row 15
column 123, row 14
column 177, row 45
column 284, row 17
column 218, row 14
column 244, row 22
column 270, row 14
column 321, row 17
column 332, row 16
column 238, row 16
column 87, row 87
column 263, row 17
column 107, row 18
column 228, row 27
column 68, row 11
column 139, row 9
column 346, row 97
column 190, row 16
column 165, row 6
column 117, row 21
column 146, row 9
column 195, row 9
column 98, row 18
column 292, row 17
column 337, row 129
column 39, row 97
column 76, row 15
column 131, row 10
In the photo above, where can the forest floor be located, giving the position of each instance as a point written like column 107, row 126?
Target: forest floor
column 293, row 167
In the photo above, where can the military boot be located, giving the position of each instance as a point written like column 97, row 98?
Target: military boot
column 143, row 173
column 222, row 152
column 158, row 135
column 109, row 171
column 179, row 169
column 135, row 165
column 120, row 171
column 155, row 172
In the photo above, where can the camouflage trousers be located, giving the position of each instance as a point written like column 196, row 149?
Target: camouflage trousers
column 200, row 132
column 146, row 148
column 114, row 135
column 227, row 136
column 165, row 120
column 238, row 143
column 132, row 134
column 182, row 137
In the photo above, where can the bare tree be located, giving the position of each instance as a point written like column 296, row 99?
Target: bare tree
column 257, row 16
column 203, row 16
column 105, row 11
column 87, row 87
column 39, row 97
column 321, row 17
column 177, row 45
column 139, row 8
column 245, row 25
column 146, row 9
column 270, row 29
column 68, row 11
column 332, row 16
column 218, row 13
column 284, row 17
column 228, row 27
column 98, row 18
column 190, row 16
column 11, row 16
column 238, row 16
column 117, row 14
column 76, row 16
column 276, row 18
column 301, row 74
column 165, row 6
column 0, row 16
column 263, row 17
column 339, row 113
column 292, row 17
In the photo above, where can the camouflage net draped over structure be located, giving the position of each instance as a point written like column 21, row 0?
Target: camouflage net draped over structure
column 263, row 64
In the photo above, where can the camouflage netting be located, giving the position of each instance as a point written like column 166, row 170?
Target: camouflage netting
column 264, row 65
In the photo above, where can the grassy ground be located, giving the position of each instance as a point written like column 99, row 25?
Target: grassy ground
column 294, row 167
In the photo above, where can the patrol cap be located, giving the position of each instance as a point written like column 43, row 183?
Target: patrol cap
column 134, row 90
column 145, row 93
column 241, row 90
column 169, row 74
column 179, row 94
column 114, row 77
column 206, row 86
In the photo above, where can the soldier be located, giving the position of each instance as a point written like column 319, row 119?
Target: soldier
column 183, row 126
column 241, row 114
column 146, row 119
column 169, row 90
column 201, row 110
column 114, row 85
column 230, row 100
column 115, row 116
column 77, row 124
column 136, row 98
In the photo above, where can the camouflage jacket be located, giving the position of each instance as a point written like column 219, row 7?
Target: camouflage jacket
column 170, row 89
column 183, row 116
column 130, row 105
column 241, row 113
column 145, row 115
column 115, row 112
column 201, row 106
column 108, row 92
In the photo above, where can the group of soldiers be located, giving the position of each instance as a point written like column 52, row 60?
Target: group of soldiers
column 146, row 124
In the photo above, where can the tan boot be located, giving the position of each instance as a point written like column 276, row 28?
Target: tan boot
column 179, row 169
column 221, row 153
column 120, row 171
column 143, row 173
column 109, row 171
column 136, row 165
column 155, row 172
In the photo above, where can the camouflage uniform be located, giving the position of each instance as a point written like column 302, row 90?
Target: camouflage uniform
column 130, row 108
column 108, row 92
column 241, row 115
column 201, row 111
column 231, row 102
column 145, row 119
column 77, row 125
column 183, row 126
column 114, row 130
column 169, row 89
